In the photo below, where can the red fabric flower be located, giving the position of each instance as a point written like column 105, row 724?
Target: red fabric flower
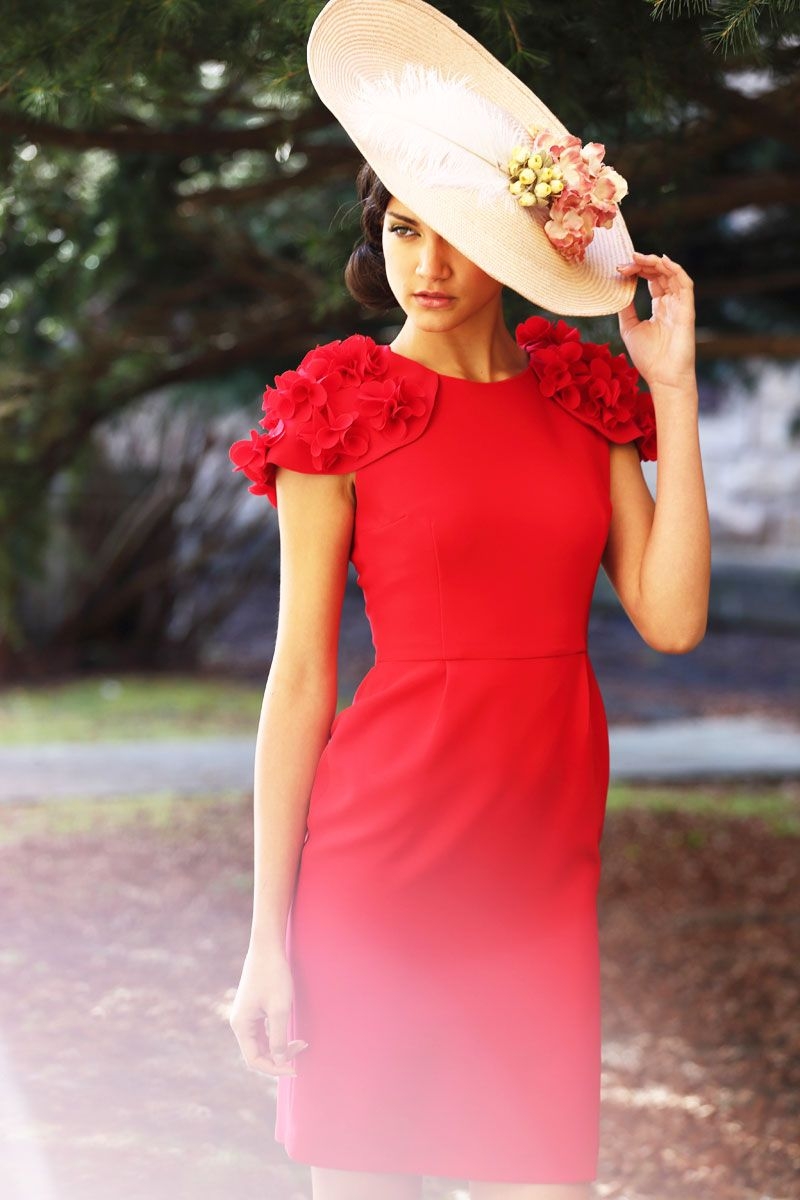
column 344, row 363
column 294, row 395
column 332, row 436
column 344, row 398
column 648, row 442
column 389, row 405
column 599, row 388
column 250, row 457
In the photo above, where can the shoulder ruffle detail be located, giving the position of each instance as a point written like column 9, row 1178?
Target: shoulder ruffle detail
column 597, row 387
column 348, row 403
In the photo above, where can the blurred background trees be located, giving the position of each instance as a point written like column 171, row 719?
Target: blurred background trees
column 175, row 213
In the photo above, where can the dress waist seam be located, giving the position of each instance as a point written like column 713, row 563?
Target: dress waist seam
column 381, row 658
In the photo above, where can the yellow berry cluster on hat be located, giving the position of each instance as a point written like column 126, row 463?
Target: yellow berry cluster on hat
column 535, row 177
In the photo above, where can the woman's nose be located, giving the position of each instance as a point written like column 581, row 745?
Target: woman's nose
column 432, row 262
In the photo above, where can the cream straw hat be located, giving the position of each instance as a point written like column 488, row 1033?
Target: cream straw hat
column 438, row 119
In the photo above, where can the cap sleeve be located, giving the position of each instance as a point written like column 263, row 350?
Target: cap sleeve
column 586, row 379
column 348, row 403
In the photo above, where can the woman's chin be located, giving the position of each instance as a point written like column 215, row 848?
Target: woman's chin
column 433, row 320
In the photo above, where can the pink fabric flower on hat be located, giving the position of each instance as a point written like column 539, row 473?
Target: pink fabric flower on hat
column 571, row 180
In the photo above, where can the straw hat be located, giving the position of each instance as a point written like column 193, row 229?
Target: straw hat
column 438, row 119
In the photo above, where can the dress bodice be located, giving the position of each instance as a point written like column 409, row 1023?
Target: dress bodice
column 482, row 509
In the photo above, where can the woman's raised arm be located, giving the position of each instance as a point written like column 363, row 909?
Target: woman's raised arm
column 659, row 554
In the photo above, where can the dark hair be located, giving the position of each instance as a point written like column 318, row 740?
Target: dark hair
column 365, row 273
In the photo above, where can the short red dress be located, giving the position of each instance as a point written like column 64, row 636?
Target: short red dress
column 443, row 934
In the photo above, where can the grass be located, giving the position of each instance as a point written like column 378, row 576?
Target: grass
column 776, row 805
column 110, row 708
column 125, row 707
column 164, row 811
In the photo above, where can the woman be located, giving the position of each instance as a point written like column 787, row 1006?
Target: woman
column 422, row 976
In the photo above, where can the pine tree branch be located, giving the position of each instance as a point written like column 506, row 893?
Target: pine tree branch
column 721, row 195
column 739, row 283
column 193, row 139
column 773, row 112
column 748, row 345
column 325, row 163
column 722, row 127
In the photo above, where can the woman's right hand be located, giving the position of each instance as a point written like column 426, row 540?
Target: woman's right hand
column 259, row 1015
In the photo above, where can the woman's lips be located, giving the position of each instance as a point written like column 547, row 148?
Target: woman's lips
column 432, row 300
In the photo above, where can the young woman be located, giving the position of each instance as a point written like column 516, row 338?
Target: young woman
column 422, row 976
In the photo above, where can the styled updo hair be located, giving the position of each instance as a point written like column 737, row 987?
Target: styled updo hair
column 365, row 273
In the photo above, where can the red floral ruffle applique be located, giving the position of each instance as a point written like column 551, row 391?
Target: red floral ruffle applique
column 599, row 388
column 347, row 402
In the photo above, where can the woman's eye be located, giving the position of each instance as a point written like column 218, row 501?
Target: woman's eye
column 400, row 229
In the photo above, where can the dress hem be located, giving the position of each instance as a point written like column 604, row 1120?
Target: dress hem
column 438, row 1172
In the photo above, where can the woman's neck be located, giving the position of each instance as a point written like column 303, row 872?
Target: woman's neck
column 466, row 352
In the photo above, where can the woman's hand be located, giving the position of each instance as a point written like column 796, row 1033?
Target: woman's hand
column 260, row 1013
column 661, row 348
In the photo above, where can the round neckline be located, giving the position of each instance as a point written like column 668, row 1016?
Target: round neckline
column 482, row 383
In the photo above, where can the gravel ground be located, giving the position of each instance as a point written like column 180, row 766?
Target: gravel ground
column 120, row 1077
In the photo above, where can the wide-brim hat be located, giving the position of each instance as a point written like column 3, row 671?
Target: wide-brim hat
column 437, row 117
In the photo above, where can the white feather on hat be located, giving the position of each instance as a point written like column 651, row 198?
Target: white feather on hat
column 468, row 138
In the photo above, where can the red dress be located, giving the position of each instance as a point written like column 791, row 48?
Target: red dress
column 443, row 932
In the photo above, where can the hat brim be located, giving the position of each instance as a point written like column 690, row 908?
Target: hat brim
column 352, row 42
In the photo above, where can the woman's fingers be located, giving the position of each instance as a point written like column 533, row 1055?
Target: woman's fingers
column 251, row 1036
column 277, row 1026
column 653, row 266
column 270, row 1064
column 261, row 1011
column 259, row 1052
column 266, row 1063
column 663, row 276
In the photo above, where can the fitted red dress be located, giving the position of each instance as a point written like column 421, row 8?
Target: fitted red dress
column 443, row 932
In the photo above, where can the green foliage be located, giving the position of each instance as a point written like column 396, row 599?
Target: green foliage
column 84, row 59
column 773, row 804
column 127, row 707
column 176, row 206
column 738, row 26
column 165, row 811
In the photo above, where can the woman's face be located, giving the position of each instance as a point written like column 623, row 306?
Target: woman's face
column 434, row 284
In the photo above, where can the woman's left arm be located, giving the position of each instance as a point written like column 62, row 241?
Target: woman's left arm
column 658, row 556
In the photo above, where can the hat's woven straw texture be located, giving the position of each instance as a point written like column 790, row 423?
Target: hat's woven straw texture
column 357, row 41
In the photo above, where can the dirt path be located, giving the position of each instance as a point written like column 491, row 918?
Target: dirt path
column 121, row 950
